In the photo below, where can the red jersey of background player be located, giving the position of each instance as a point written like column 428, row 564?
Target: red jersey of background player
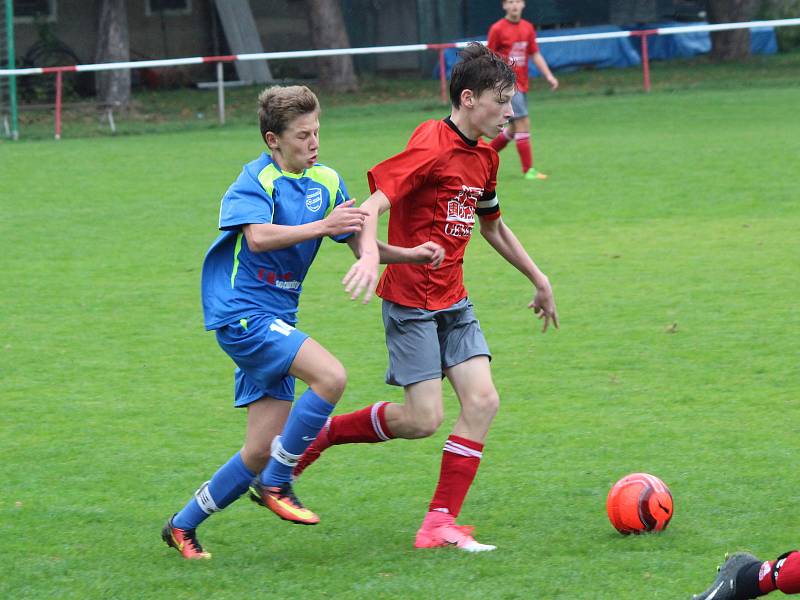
column 515, row 42
column 435, row 187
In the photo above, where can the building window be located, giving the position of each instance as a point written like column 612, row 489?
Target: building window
column 167, row 7
column 30, row 11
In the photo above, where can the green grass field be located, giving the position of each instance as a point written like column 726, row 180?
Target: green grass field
column 670, row 230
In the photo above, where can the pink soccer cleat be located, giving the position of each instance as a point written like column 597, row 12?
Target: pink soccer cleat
column 440, row 529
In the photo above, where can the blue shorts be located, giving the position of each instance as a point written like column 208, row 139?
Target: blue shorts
column 263, row 348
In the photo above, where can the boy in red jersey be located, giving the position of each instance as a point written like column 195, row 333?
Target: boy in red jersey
column 434, row 188
column 743, row 576
column 514, row 38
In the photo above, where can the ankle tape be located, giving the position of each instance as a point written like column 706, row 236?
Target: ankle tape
column 204, row 499
column 280, row 454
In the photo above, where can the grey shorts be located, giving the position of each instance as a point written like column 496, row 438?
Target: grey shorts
column 423, row 343
column 519, row 104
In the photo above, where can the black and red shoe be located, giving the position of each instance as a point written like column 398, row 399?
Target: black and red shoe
column 184, row 541
column 282, row 501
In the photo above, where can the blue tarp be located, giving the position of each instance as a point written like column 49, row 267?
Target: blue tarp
column 561, row 56
column 683, row 45
column 624, row 52
column 602, row 54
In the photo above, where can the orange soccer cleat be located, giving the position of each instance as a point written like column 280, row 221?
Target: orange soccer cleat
column 282, row 501
column 184, row 541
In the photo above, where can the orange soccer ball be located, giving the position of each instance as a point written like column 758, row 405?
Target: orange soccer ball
column 638, row 503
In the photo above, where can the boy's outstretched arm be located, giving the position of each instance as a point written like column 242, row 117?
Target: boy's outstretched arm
column 264, row 237
column 363, row 275
column 503, row 240
column 429, row 253
column 374, row 206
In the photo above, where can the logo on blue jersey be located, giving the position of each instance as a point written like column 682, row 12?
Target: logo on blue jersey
column 314, row 199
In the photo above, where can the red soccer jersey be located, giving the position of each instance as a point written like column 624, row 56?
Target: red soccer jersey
column 514, row 42
column 435, row 187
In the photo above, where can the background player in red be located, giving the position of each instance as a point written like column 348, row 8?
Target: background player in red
column 434, row 189
column 514, row 38
column 743, row 576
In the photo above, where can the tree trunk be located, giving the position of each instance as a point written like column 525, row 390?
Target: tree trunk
column 113, row 45
column 327, row 27
column 734, row 44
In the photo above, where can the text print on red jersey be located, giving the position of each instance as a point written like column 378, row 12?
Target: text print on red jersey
column 461, row 212
column 519, row 53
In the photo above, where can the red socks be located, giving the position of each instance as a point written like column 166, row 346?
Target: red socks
column 367, row 425
column 523, row 141
column 460, row 461
column 501, row 141
column 782, row 574
column 460, row 458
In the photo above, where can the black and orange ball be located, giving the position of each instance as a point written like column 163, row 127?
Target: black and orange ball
column 639, row 503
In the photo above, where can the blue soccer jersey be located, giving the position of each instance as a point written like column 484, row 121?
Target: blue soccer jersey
column 237, row 282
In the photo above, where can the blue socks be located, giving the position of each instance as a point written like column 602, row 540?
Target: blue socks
column 228, row 483
column 308, row 416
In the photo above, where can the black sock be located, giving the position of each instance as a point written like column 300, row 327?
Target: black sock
column 747, row 582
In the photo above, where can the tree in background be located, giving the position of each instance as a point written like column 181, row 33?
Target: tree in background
column 734, row 44
column 788, row 37
column 328, row 30
column 113, row 45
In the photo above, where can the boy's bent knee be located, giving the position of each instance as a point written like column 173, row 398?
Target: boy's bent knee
column 425, row 425
column 331, row 382
column 485, row 404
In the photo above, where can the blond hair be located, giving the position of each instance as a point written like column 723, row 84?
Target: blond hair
column 278, row 105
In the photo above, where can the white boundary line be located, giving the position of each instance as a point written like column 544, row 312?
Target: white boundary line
column 195, row 60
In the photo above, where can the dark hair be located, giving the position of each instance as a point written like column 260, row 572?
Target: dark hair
column 278, row 105
column 479, row 69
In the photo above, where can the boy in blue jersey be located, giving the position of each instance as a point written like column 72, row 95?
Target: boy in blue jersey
column 273, row 219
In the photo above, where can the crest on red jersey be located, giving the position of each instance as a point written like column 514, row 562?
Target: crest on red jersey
column 461, row 212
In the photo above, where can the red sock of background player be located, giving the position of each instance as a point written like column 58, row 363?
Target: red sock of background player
column 782, row 573
column 501, row 141
column 523, row 142
column 761, row 578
